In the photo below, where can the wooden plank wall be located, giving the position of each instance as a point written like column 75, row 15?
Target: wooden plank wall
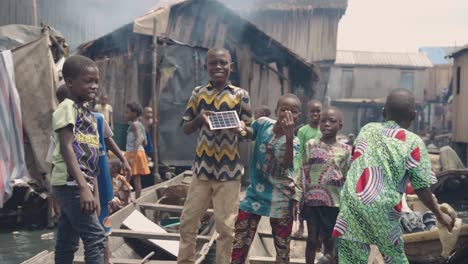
column 15, row 12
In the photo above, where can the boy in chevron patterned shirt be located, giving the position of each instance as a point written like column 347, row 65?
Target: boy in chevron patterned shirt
column 74, row 176
column 217, row 168
column 386, row 156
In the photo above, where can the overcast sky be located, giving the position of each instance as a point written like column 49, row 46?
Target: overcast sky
column 403, row 25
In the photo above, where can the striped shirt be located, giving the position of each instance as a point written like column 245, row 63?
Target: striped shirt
column 217, row 154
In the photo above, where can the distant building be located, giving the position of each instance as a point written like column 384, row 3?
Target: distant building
column 308, row 28
column 440, row 75
column 460, row 106
column 363, row 74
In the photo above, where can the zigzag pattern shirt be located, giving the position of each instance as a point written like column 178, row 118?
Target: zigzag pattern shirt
column 217, row 154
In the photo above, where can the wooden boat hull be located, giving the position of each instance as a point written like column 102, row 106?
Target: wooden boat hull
column 128, row 246
column 420, row 248
column 425, row 247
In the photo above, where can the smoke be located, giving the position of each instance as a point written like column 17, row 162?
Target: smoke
column 85, row 20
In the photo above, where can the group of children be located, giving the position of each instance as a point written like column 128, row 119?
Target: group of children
column 350, row 193
column 340, row 193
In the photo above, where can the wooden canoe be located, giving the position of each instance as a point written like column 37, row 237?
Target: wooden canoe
column 420, row 248
column 146, row 230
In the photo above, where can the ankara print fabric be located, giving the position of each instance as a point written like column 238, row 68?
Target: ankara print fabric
column 385, row 158
column 272, row 187
column 324, row 172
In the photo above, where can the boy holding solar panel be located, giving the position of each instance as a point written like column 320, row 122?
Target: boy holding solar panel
column 217, row 168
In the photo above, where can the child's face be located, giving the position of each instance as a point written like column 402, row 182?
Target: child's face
column 330, row 123
column 129, row 114
column 85, row 86
column 114, row 170
column 314, row 112
column 258, row 113
column 103, row 100
column 288, row 104
column 148, row 113
column 218, row 66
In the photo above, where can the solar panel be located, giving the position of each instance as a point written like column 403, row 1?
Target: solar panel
column 224, row 120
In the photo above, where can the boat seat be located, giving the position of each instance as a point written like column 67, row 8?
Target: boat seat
column 263, row 234
column 152, row 235
column 266, row 260
column 80, row 260
column 142, row 226
column 166, row 208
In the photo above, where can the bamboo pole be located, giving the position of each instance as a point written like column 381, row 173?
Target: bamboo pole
column 155, row 88
column 34, row 13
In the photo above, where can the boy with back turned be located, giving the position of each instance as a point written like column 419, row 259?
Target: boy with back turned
column 75, row 169
column 385, row 157
column 217, row 168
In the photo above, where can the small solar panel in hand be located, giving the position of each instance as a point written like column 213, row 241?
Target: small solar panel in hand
column 224, row 120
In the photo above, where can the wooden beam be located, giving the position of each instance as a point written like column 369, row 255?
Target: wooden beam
column 166, row 208
column 263, row 234
column 152, row 235
column 267, row 260
column 80, row 260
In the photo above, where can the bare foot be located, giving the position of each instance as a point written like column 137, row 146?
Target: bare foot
column 300, row 232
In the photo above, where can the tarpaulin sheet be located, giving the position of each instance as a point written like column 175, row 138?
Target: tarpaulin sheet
column 12, row 162
column 35, row 81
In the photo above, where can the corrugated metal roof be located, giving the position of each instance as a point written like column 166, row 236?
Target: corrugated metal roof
column 460, row 50
column 256, row 5
column 368, row 58
column 439, row 55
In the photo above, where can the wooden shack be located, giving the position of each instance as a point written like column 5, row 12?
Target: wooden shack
column 185, row 30
column 309, row 28
column 365, row 74
column 460, row 106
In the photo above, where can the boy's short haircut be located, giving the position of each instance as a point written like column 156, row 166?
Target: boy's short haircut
column 74, row 65
column 218, row 49
column 115, row 163
column 62, row 93
column 313, row 101
column 288, row 95
column 266, row 110
column 136, row 108
column 334, row 108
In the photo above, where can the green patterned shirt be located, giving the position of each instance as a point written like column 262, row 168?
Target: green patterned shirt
column 385, row 158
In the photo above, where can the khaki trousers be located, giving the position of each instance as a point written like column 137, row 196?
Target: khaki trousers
column 225, row 199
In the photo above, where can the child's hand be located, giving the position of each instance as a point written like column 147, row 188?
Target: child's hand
column 287, row 125
column 240, row 130
column 203, row 116
column 127, row 170
column 98, row 206
column 294, row 209
column 87, row 202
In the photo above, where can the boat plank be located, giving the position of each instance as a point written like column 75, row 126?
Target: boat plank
column 264, row 234
column 80, row 260
column 152, row 235
column 267, row 260
column 166, row 208
column 429, row 235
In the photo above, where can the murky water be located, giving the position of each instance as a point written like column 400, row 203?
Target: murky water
column 17, row 246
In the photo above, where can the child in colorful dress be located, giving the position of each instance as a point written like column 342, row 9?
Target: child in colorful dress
column 273, row 190
column 325, row 164
column 306, row 133
column 136, row 140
